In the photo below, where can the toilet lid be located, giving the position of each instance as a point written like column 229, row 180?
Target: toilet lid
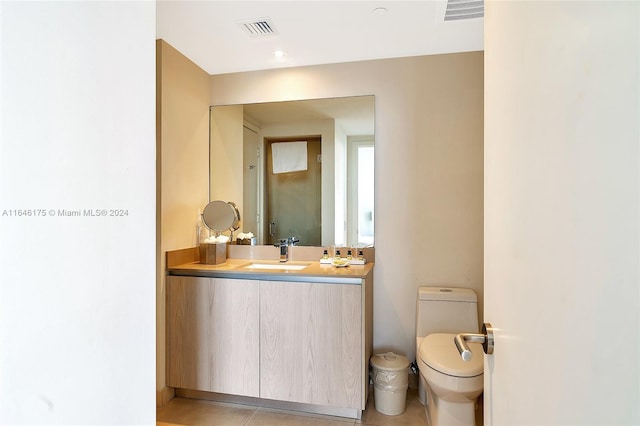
column 439, row 352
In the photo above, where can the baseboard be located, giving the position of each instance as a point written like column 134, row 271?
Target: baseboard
column 272, row 404
column 164, row 395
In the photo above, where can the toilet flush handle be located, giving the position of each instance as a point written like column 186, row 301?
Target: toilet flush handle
column 486, row 338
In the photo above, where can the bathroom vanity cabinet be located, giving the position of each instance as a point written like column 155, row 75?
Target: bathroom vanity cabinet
column 295, row 339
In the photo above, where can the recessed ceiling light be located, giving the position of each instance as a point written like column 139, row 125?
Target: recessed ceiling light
column 279, row 54
column 379, row 11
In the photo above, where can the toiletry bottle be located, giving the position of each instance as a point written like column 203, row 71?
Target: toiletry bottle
column 349, row 255
column 338, row 255
column 360, row 255
column 325, row 255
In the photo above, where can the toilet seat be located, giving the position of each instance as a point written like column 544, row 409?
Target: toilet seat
column 439, row 352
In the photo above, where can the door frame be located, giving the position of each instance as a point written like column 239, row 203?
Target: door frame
column 267, row 141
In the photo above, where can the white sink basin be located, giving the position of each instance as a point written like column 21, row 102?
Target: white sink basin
column 277, row 266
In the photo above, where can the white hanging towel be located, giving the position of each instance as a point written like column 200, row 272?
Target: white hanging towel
column 289, row 157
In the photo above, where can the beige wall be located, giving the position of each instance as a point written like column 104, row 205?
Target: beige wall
column 226, row 135
column 429, row 169
column 183, row 160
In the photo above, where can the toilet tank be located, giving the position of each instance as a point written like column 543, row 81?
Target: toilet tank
column 446, row 310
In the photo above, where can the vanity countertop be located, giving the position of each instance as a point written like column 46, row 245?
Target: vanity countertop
column 311, row 271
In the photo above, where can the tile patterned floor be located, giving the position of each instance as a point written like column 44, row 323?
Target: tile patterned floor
column 188, row 412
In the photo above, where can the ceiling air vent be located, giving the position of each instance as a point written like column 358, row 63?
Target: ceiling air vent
column 260, row 27
column 464, row 9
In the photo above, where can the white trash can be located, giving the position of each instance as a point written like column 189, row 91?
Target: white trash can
column 390, row 374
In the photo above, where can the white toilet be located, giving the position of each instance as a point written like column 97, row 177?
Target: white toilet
column 448, row 386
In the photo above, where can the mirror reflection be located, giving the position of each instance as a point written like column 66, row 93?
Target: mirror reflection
column 297, row 169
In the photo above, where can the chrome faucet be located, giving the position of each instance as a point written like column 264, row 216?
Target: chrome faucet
column 284, row 247
column 284, row 250
column 293, row 241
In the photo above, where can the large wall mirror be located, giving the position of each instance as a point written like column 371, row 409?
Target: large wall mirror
column 301, row 169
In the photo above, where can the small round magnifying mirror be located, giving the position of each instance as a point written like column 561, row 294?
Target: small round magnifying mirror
column 220, row 216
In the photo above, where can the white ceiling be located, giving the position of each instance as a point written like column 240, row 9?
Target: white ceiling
column 311, row 32
column 355, row 114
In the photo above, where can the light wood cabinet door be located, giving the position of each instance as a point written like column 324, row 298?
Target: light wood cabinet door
column 311, row 343
column 213, row 335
